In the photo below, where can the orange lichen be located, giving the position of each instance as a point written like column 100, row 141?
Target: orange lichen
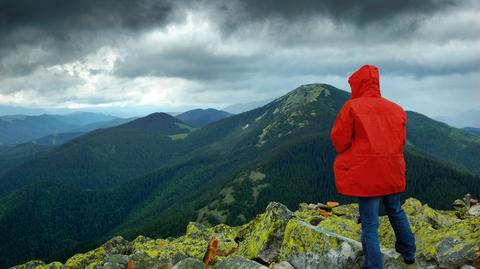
column 324, row 213
column 332, row 204
column 476, row 262
column 209, row 257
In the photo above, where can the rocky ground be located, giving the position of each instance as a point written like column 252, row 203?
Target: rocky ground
column 314, row 236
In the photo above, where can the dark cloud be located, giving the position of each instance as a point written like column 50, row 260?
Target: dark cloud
column 388, row 13
column 196, row 62
column 52, row 32
column 70, row 25
column 189, row 61
column 292, row 27
column 57, row 17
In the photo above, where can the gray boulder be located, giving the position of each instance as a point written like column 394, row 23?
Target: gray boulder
column 283, row 265
column 238, row 262
column 189, row 263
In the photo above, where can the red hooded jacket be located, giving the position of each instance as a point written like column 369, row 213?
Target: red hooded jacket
column 369, row 135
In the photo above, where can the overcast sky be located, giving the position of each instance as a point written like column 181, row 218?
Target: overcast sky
column 176, row 55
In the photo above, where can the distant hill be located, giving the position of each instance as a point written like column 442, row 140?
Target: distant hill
column 61, row 138
column 12, row 155
column 201, row 117
column 472, row 130
column 18, row 110
column 84, row 118
column 242, row 107
column 157, row 122
column 15, row 129
column 469, row 118
column 148, row 178
column 444, row 142
column 19, row 128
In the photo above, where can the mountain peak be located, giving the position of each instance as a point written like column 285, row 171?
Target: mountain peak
column 300, row 96
column 157, row 122
column 159, row 115
column 308, row 94
column 201, row 117
column 305, row 106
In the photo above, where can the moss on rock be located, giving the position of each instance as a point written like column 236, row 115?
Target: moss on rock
column 193, row 244
column 261, row 238
column 38, row 264
column 308, row 246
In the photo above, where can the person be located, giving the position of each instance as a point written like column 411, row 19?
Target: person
column 369, row 135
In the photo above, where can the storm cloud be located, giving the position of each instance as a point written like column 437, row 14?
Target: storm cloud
column 173, row 55
column 361, row 14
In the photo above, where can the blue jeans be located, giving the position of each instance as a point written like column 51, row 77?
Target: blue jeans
column 405, row 241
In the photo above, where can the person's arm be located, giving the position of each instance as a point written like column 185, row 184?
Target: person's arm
column 342, row 131
column 404, row 127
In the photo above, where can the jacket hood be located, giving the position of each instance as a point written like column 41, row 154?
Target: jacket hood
column 365, row 82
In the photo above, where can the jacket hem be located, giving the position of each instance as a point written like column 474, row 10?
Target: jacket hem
column 352, row 194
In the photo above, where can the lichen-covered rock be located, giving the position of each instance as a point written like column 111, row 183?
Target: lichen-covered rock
column 38, row 264
column 193, row 244
column 342, row 226
column 262, row 237
column 440, row 235
column 466, row 266
column 282, row 265
column 114, row 261
column 426, row 215
column 189, row 263
column 349, row 211
column 456, row 249
column 141, row 260
column 53, row 265
column 90, row 259
column 117, row 245
column 310, row 215
column 433, row 230
column 238, row 262
column 474, row 210
column 458, row 203
column 307, row 246
column 30, row 265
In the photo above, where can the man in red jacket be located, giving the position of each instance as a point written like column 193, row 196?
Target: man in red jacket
column 369, row 135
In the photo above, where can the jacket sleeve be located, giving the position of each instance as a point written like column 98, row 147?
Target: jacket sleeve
column 342, row 131
column 404, row 127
